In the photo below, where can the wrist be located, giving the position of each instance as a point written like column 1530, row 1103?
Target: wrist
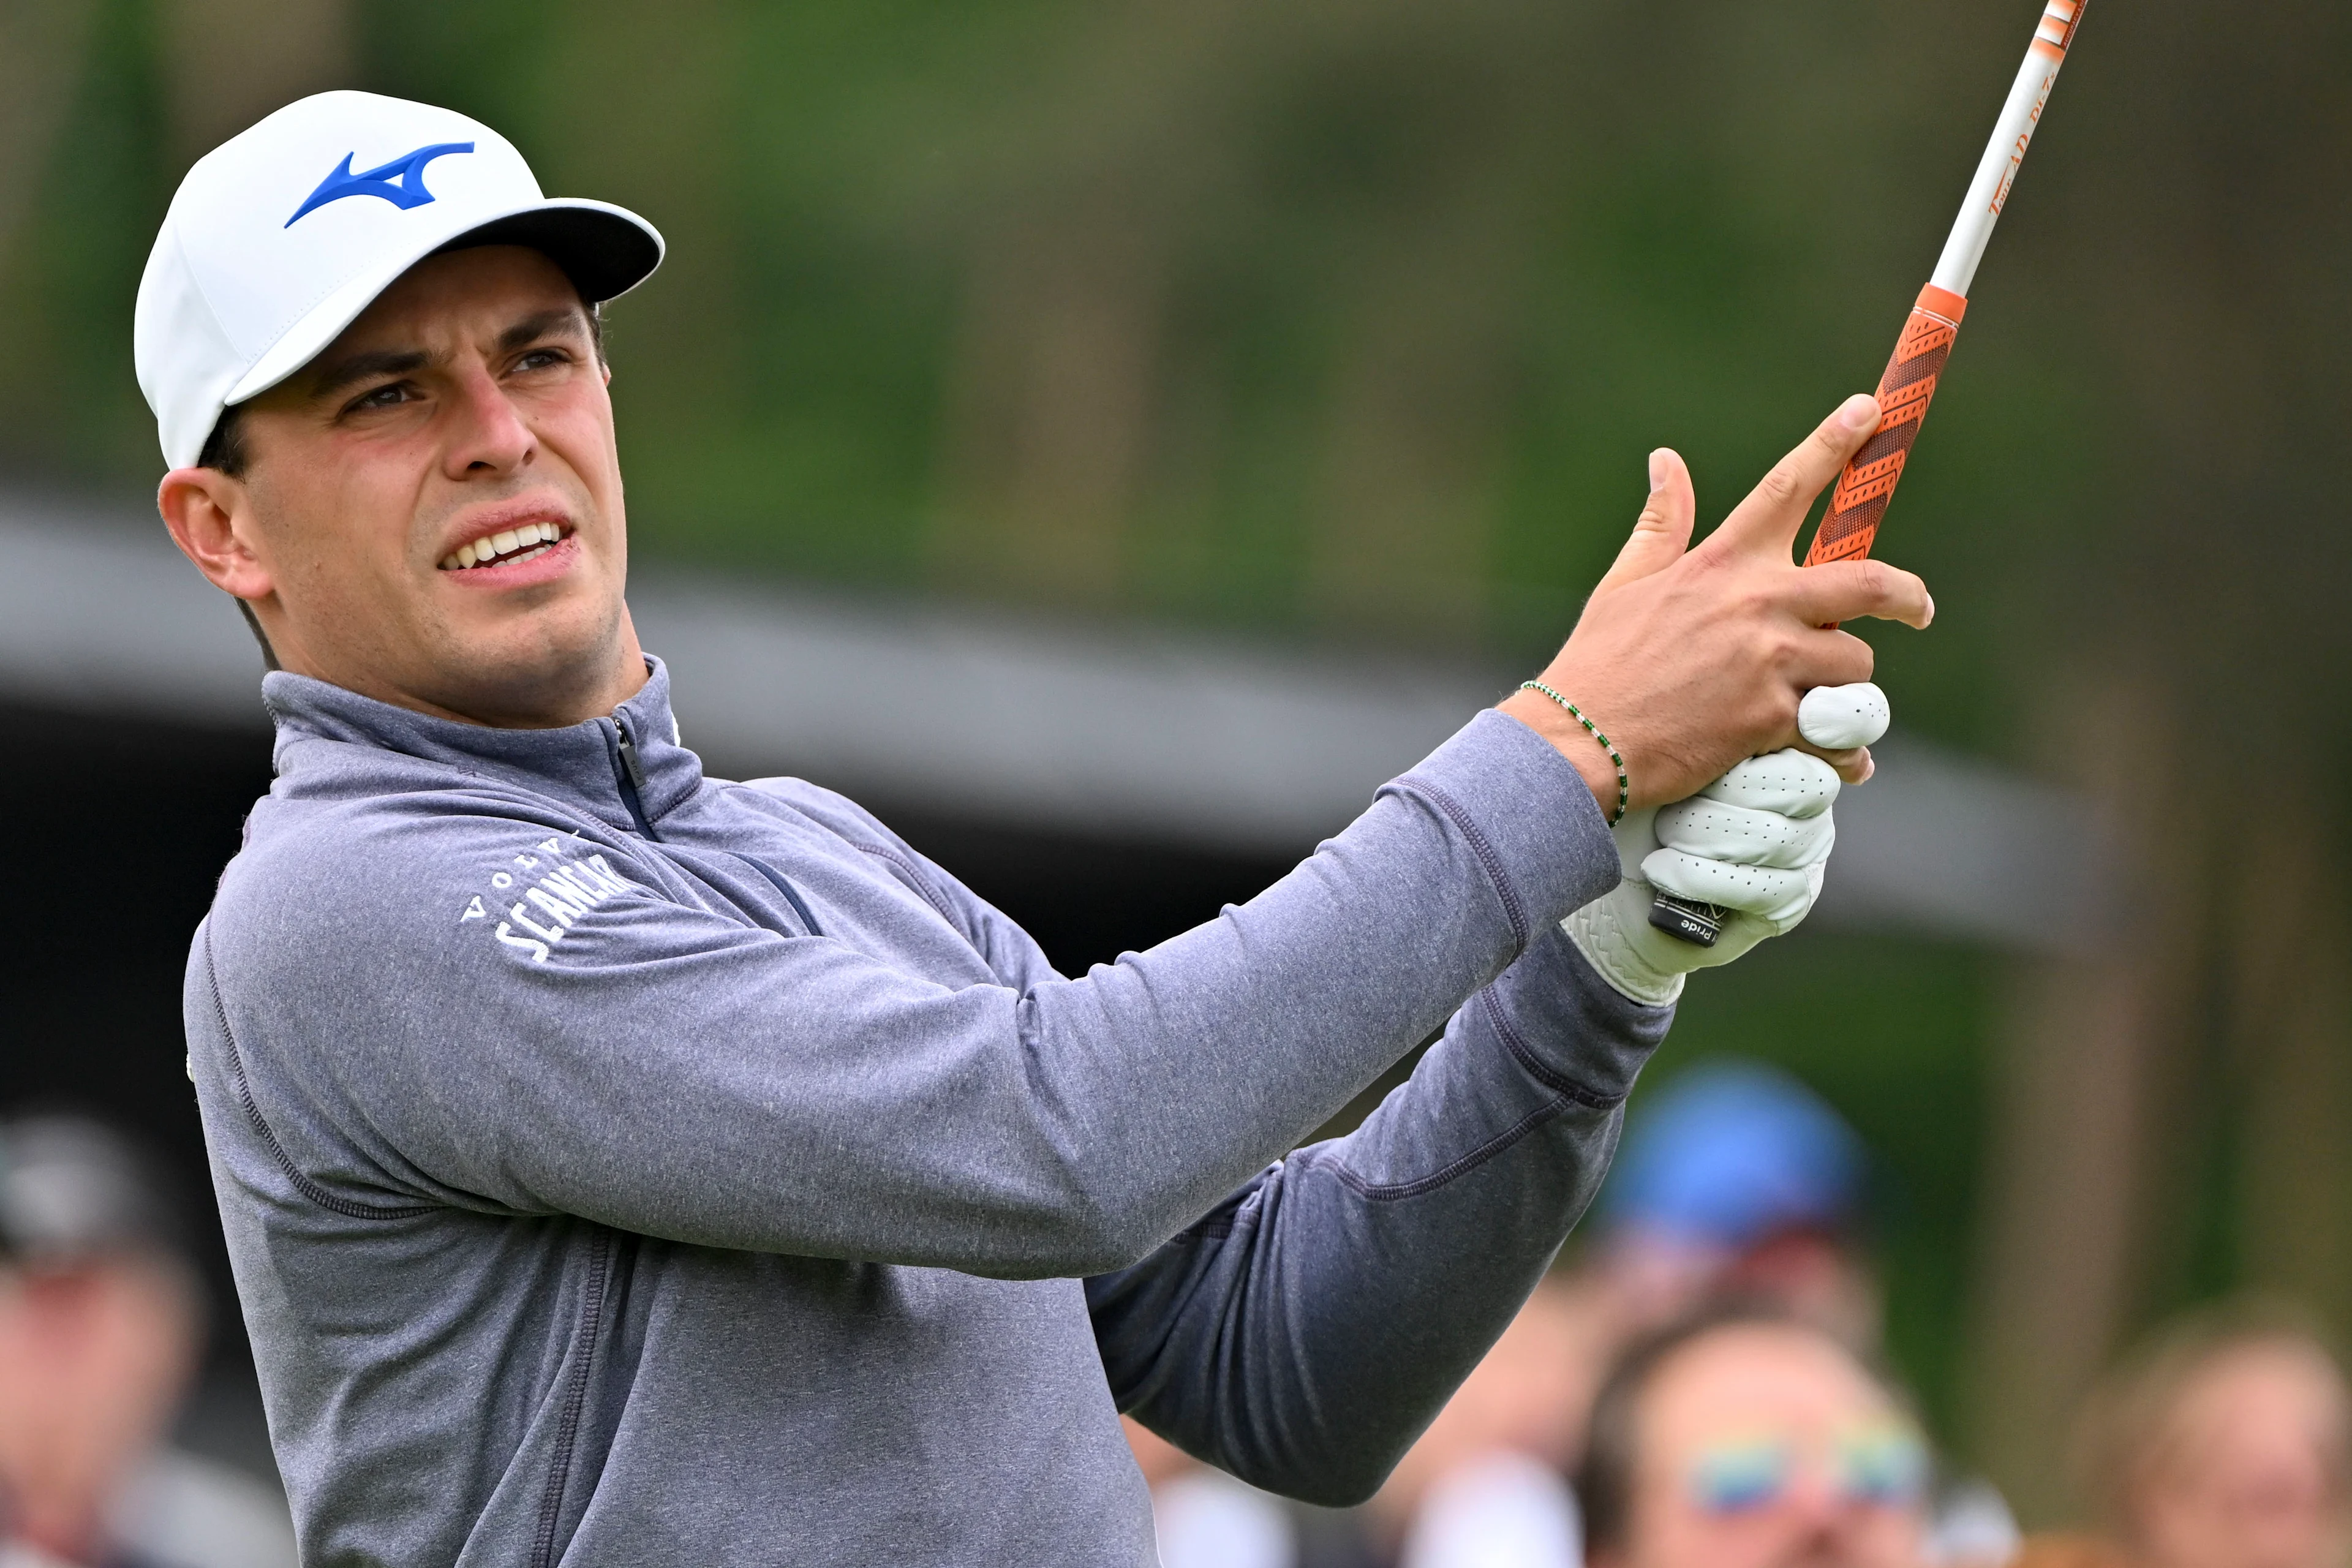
column 1615, row 937
column 1547, row 718
column 1572, row 735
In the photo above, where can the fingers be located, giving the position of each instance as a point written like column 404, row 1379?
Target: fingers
column 1776, row 508
column 1663, row 531
column 1744, row 835
column 1810, row 657
column 1852, row 763
column 1855, row 765
column 1839, row 718
column 1849, row 590
column 1778, row 897
column 1791, row 782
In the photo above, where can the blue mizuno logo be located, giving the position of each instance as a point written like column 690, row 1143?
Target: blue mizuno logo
column 400, row 181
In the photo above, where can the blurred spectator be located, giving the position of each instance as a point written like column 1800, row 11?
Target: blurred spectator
column 1735, row 1182
column 1202, row 1517
column 1746, row 1437
column 1485, row 1486
column 1738, row 1180
column 2223, row 1444
column 100, row 1322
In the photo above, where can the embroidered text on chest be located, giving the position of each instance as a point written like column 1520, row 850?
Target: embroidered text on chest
column 562, row 892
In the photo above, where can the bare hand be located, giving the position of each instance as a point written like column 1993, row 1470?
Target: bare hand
column 1693, row 659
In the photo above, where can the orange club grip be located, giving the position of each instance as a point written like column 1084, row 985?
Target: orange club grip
column 1868, row 483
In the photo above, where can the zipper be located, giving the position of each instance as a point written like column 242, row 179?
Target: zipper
column 629, row 774
column 783, row 885
column 585, row 1334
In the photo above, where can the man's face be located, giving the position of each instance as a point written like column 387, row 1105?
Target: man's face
column 92, row 1359
column 1763, row 1447
column 2249, row 1472
column 431, row 513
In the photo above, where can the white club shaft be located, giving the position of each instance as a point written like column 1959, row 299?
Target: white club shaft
column 1989, row 193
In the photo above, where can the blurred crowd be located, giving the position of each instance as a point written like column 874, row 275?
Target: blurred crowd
column 1698, row 1387
column 102, row 1322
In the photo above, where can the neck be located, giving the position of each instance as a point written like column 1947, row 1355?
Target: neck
column 571, row 693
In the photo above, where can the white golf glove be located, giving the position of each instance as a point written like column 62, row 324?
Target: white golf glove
column 1756, row 842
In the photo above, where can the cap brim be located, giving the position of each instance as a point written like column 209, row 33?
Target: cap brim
column 605, row 251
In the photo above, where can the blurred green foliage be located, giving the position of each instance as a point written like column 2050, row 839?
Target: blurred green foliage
column 1387, row 301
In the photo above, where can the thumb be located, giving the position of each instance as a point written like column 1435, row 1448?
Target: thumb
column 1663, row 531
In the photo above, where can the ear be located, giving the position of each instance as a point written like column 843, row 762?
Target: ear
column 210, row 517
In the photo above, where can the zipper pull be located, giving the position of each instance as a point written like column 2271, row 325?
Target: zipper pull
column 632, row 781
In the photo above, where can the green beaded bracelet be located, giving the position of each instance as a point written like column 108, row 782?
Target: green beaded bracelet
column 1624, row 789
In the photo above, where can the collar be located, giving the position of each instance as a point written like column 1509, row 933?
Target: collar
column 577, row 761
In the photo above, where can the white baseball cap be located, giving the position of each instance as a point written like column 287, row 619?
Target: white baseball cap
column 283, row 234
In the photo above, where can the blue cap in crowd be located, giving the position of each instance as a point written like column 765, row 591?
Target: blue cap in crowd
column 1731, row 1154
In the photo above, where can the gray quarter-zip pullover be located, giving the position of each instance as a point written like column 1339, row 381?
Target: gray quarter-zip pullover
column 624, row 1166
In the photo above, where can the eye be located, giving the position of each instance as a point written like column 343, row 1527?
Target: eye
column 391, row 394
column 1741, row 1476
column 543, row 358
column 1882, row 1465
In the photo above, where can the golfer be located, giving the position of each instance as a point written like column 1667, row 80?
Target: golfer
column 626, row 1166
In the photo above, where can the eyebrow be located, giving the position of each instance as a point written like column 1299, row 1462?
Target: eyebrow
column 354, row 369
column 562, row 322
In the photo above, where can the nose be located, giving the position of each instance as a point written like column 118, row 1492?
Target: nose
column 487, row 435
column 1818, row 1505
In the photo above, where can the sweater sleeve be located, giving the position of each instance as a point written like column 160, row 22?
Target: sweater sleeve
column 670, row 1068
column 1306, row 1331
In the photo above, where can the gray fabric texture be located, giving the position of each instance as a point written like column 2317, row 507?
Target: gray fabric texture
column 620, row 1165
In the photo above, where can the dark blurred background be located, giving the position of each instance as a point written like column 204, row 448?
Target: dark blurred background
column 1327, row 340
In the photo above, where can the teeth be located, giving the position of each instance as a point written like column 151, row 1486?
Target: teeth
column 482, row 552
